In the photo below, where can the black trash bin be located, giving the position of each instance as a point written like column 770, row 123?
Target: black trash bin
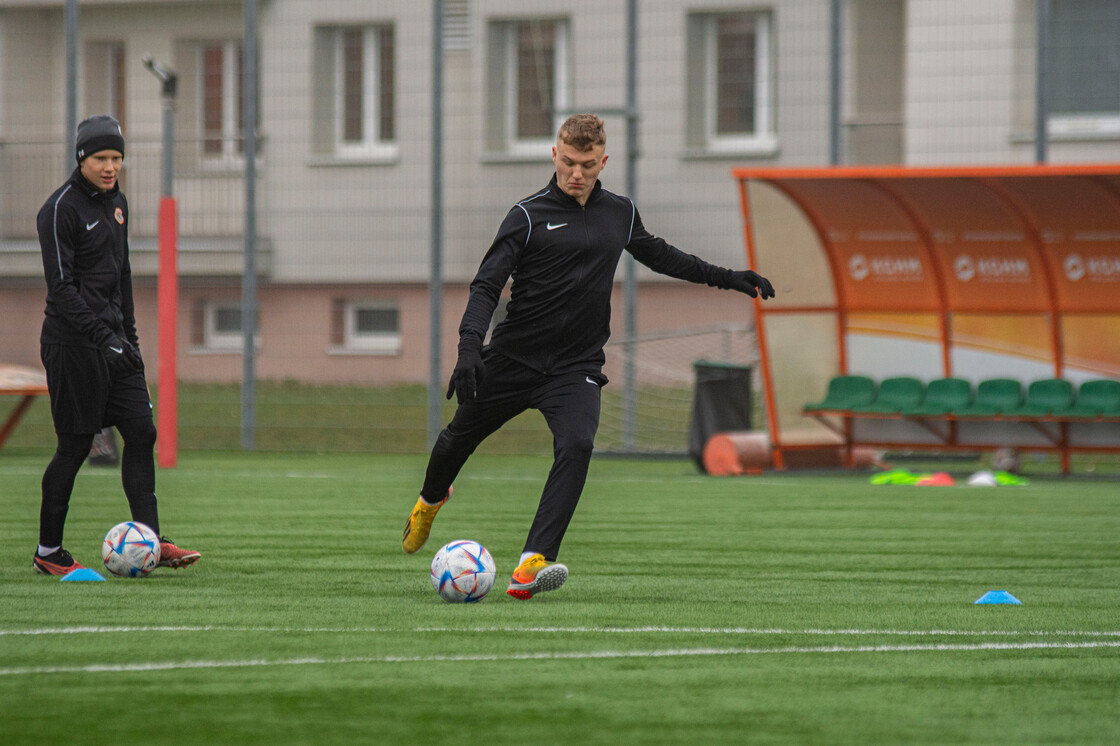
column 721, row 402
column 104, row 451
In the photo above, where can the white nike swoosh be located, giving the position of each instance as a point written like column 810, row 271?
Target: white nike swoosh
column 592, row 380
column 552, row 227
column 91, row 226
column 117, row 350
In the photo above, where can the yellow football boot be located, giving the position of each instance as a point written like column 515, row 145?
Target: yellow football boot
column 419, row 524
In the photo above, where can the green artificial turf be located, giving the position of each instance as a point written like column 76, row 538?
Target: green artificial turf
column 775, row 609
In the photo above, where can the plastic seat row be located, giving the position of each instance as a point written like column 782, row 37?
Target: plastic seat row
column 908, row 396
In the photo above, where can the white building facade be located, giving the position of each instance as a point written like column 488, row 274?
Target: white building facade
column 345, row 131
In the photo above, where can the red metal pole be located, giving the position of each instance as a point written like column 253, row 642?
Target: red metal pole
column 168, row 292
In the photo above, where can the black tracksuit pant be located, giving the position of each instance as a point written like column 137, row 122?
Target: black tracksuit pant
column 570, row 405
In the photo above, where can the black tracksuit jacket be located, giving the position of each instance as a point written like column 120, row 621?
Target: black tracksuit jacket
column 562, row 257
column 83, row 235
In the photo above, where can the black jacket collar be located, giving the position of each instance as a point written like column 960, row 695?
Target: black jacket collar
column 90, row 190
column 568, row 200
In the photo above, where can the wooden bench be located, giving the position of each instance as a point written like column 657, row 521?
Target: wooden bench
column 17, row 380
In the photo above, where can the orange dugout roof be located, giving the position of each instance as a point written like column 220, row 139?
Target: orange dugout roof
column 1013, row 239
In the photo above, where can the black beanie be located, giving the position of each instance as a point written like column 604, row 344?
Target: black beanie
column 100, row 132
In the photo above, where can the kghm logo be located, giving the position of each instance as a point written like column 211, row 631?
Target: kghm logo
column 857, row 267
column 1096, row 268
column 992, row 269
column 885, row 268
column 963, row 268
column 1074, row 267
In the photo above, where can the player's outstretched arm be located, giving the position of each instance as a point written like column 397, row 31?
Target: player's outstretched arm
column 664, row 258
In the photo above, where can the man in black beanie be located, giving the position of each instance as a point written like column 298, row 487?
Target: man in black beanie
column 89, row 345
column 101, row 132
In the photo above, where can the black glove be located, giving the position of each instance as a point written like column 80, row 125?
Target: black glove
column 469, row 370
column 747, row 282
column 133, row 354
column 122, row 357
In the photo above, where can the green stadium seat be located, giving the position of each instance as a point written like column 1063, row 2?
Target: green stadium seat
column 1096, row 398
column 895, row 394
column 943, row 395
column 1045, row 397
column 994, row 396
column 845, row 392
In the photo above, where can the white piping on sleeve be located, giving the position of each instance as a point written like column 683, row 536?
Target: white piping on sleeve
column 633, row 212
column 529, row 220
column 54, row 228
column 524, row 210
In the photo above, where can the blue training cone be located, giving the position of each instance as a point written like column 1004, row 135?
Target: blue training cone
column 997, row 597
column 82, row 573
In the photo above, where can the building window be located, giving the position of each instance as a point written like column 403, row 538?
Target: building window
column 216, row 327
column 730, row 99
column 1084, row 85
column 530, row 86
column 365, row 327
column 354, row 103
column 221, row 114
column 364, row 97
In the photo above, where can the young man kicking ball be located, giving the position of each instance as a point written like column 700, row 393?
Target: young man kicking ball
column 561, row 246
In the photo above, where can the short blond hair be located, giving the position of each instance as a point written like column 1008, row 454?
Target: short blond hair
column 583, row 131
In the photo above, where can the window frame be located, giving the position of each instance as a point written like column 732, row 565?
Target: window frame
column 357, row 342
column 232, row 134
column 106, row 78
column 1080, row 125
column 372, row 145
column 213, row 340
column 505, row 46
column 764, row 140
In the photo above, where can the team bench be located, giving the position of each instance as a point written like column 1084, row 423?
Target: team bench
column 949, row 414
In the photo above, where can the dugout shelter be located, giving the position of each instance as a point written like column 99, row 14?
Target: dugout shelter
column 975, row 274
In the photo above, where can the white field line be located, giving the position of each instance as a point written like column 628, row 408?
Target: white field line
column 572, row 630
column 773, row 631
column 563, row 655
column 84, row 630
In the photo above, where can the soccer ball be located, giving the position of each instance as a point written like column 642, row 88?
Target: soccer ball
column 463, row 572
column 130, row 550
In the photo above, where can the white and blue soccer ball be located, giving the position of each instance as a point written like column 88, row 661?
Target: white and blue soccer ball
column 130, row 550
column 463, row 572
